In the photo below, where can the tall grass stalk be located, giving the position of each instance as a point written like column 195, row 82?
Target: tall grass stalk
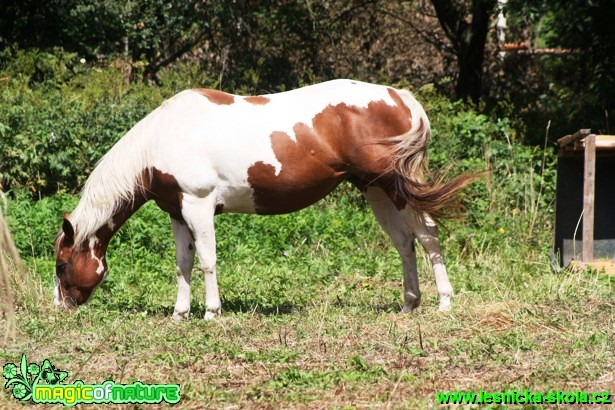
column 9, row 264
column 535, row 205
column 18, row 289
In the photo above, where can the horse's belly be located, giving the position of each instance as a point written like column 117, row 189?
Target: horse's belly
column 291, row 189
column 237, row 199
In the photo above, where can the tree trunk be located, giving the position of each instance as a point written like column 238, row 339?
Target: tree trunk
column 468, row 41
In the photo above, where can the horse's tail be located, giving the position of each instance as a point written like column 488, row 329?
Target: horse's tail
column 414, row 184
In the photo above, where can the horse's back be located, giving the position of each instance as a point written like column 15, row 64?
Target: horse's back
column 283, row 151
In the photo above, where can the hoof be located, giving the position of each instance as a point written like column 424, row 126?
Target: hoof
column 410, row 308
column 445, row 303
column 180, row 316
column 411, row 302
column 209, row 315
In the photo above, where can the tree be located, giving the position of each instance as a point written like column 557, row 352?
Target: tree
column 573, row 86
column 157, row 32
column 584, row 80
column 468, row 39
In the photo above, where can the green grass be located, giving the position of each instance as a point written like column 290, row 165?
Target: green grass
column 310, row 312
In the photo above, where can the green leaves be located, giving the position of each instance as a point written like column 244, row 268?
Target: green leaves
column 56, row 123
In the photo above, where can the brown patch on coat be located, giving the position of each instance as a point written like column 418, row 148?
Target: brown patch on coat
column 164, row 189
column 295, row 187
column 257, row 100
column 216, row 97
column 75, row 267
column 344, row 142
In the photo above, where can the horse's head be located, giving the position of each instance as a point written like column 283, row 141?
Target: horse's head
column 80, row 267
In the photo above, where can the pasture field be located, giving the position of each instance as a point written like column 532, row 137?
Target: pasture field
column 311, row 310
column 310, row 300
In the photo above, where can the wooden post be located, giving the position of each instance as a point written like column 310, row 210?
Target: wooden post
column 588, row 197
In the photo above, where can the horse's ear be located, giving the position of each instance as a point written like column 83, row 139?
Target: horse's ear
column 67, row 228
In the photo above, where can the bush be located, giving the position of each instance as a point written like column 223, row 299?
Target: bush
column 520, row 178
column 57, row 118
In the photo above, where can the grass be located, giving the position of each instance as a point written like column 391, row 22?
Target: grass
column 310, row 313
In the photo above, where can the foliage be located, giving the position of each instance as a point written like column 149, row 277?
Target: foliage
column 258, row 46
column 468, row 38
column 519, row 179
column 57, row 119
column 153, row 32
column 592, row 32
column 572, row 90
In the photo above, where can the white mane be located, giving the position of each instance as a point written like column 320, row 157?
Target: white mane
column 115, row 180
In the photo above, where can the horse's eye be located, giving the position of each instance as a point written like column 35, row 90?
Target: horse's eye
column 60, row 269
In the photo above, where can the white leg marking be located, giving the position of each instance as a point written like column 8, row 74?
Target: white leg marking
column 394, row 224
column 184, row 248
column 199, row 215
column 427, row 233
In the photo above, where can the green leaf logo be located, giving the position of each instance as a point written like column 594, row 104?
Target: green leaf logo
column 9, row 371
column 24, row 378
column 33, row 369
column 19, row 391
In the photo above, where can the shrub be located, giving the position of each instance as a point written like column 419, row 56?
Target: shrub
column 57, row 119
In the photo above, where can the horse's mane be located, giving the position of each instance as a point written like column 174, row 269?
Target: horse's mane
column 116, row 179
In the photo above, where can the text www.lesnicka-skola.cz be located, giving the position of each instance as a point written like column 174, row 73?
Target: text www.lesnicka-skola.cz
column 524, row 397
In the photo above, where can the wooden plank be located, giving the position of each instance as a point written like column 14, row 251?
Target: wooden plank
column 605, row 141
column 606, row 267
column 582, row 133
column 588, row 197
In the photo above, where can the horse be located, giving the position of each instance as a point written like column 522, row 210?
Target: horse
column 204, row 152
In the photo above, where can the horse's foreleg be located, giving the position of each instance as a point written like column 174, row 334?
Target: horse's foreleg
column 394, row 224
column 426, row 231
column 199, row 215
column 184, row 249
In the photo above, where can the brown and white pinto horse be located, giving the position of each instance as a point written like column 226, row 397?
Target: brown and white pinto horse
column 204, row 152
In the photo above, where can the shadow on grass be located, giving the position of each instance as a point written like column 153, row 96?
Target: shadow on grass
column 236, row 305
column 198, row 310
column 249, row 306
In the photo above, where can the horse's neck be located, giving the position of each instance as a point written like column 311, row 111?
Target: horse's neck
column 124, row 211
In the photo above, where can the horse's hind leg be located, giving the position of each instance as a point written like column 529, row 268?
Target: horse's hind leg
column 184, row 249
column 426, row 231
column 395, row 225
column 199, row 216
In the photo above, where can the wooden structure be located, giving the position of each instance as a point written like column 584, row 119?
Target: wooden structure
column 585, row 199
